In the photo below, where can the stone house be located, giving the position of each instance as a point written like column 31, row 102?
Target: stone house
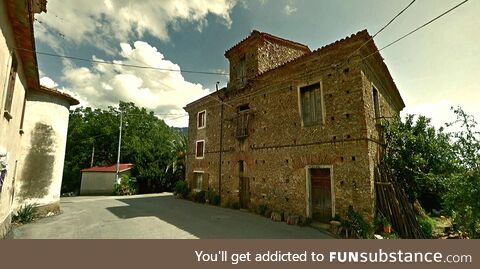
column 296, row 130
column 33, row 119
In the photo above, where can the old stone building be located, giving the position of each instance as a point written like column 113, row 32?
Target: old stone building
column 296, row 130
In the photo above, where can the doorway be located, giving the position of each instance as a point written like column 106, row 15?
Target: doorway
column 244, row 185
column 320, row 205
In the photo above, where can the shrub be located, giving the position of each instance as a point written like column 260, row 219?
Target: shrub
column 25, row 214
column 127, row 186
column 199, row 197
column 426, row 225
column 181, row 188
column 356, row 224
column 261, row 209
column 213, row 198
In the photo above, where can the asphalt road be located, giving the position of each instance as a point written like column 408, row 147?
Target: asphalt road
column 158, row 216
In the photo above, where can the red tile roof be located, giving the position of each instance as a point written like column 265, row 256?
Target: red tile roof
column 111, row 168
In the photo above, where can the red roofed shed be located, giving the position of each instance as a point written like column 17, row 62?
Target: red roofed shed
column 100, row 180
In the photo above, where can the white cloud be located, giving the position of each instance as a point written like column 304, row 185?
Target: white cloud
column 289, row 9
column 48, row 82
column 158, row 90
column 99, row 22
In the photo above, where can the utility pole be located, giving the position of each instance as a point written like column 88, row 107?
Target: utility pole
column 93, row 156
column 119, row 145
column 221, row 146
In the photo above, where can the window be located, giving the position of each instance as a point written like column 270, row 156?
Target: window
column 11, row 87
column 311, row 104
column 376, row 105
column 198, row 177
column 201, row 119
column 241, row 71
column 243, row 112
column 199, row 149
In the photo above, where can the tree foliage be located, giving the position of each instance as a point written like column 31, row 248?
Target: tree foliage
column 440, row 169
column 145, row 143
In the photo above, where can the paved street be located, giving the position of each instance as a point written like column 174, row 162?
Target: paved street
column 157, row 216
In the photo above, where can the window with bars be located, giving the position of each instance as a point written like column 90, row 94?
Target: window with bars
column 243, row 115
column 311, row 104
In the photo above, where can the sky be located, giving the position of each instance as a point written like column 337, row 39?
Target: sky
column 434, row 69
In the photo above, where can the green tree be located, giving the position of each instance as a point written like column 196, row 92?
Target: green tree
column 421, row 158
column 178, row 149
column 145, row 143
column 462, row 200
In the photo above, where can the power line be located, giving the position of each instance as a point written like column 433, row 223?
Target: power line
column 383, row 28
column 122, row 64
column 416, row 29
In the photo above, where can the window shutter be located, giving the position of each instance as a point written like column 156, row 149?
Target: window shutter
column 318, row 106
column 206, row 181
column 191, row 180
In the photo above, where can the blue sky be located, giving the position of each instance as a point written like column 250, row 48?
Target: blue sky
column 434, row 69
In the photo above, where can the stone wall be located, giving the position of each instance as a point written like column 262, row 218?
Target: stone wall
column 279, row 149
column 260, row 55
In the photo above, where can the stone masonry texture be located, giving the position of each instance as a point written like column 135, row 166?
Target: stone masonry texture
column 278, row 148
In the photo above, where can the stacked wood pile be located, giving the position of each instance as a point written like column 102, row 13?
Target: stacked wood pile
column 393, row 204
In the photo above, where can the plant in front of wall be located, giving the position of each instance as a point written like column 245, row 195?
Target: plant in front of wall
column 261, row 209
column 355, row 226
column 127, row 186
column 25, row 214
column 181, row 189
column 199, row 197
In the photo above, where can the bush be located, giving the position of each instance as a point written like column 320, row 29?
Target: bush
column 213, row 198
column 199, row 197
column 357, row 225
column 25, row 214
column 426, row 225
column 181, row 188
column 261, row 209
column 127, row 186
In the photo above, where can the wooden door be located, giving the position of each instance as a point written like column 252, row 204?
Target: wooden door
column 244, row 192
column 321, row 194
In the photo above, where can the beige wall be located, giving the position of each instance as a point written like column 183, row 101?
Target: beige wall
column 10, row 138
column 98, row 183
column 43, row 150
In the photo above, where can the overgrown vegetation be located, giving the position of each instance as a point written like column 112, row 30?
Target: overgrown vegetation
column 181, row 189
column 127, row 186
column 146, row 142
column 25, row 214
column 355, row 226
column 212, row 198
column 441, row 170
column 199, row 197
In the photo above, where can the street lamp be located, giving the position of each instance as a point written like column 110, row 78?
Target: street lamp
column 118, row 154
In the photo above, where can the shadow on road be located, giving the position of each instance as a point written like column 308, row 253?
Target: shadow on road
column 206, row 221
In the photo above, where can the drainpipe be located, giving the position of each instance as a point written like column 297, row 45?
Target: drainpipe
column 221, row 146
